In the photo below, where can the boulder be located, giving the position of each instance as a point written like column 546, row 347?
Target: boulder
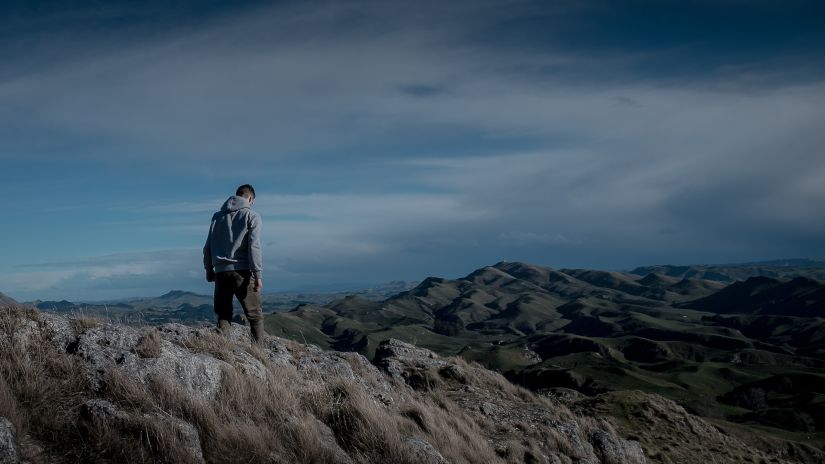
column 408, row 363
column 426, row 453
column 113, row 347
column 612, row 449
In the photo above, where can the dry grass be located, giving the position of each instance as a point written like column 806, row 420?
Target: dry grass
column 443, row 424
column 81, row 323
column 211, row 343
column 249, row 421
column 148, row 345
column 136, row 439
column 476, row 374
column 40, row 387
column 363, row 428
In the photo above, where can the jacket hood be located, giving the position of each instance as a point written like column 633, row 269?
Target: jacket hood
column 234, row 203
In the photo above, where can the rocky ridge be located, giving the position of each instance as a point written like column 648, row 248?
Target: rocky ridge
column 184, row 394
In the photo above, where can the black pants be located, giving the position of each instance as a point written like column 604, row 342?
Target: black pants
column 237, row 284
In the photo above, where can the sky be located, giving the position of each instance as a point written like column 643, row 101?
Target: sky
column 392, row 140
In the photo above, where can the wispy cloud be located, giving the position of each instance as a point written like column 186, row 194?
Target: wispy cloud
column 108, row 276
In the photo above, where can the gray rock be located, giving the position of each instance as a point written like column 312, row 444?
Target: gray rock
column 488, row 408
column 111, row 347
column 100, row 409
column 177, row 333
column 396, row 350
column 278, row 352
column 407, row 363
column 578, row 442
column 197, row 373
column 426, row 453
column 323, row 366
column 60, row 330
column 248, row 364
column 8, row 446
column 612, row 449
column 366, row 374
column 454, row 372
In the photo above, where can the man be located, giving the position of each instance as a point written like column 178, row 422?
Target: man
column 232, row 258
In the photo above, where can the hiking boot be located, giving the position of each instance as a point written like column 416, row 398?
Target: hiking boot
column 224, row 326
column 257, row 329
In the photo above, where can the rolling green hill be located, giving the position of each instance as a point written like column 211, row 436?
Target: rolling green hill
column 598, row 332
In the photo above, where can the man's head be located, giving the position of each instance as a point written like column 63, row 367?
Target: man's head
column 247, row 192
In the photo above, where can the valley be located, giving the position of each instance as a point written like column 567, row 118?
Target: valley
column 750, row 354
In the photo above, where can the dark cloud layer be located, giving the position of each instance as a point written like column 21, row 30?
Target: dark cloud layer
column 392, row 140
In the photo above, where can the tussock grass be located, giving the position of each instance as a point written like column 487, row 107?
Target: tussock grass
column 361, row 427
column 456, row 435
column 149, row 344
column 81, row 323
column 136, row 438
column 211, row 343
column 40, row 387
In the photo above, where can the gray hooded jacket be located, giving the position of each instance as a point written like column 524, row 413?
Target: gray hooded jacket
column 234, row 241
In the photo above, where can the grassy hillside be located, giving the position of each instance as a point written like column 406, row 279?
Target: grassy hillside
column 598, row 332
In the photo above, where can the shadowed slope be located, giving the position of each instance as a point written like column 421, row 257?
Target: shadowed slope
column 800, row 296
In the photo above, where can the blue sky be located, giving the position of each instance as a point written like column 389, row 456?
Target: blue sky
column 389, row 140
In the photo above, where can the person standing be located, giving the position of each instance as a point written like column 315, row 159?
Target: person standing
column 232, row 259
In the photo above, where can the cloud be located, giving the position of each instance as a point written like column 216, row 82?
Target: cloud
column 297, row 80
column 107, row 276
column 426, row 140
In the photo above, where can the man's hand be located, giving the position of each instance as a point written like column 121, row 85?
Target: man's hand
column 259, row 285
column 210, row 275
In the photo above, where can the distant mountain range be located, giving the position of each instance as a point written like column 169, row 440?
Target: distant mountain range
column 777, row 269
column 700, row 342
column 193, row 308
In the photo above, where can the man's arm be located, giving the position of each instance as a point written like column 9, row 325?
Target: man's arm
column 207, row 254
column 255, row 254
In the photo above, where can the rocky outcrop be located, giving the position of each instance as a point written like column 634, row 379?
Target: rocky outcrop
column 184, row 394
column 425, row 451
column 114, row 347
column 670, row 434
column 516, row 416
column 8, row 447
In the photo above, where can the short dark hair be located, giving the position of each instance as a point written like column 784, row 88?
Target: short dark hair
column 244, row 189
